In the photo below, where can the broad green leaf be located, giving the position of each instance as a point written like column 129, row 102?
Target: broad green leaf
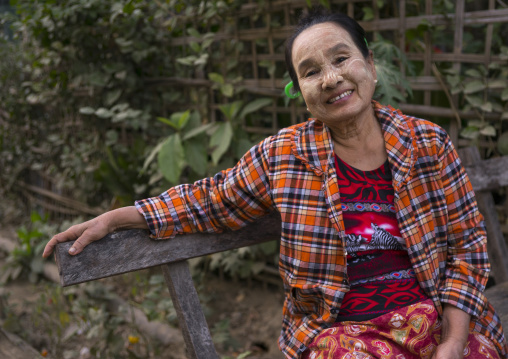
column 475, row 123
column 151, row 156
column 325, row 3
column 215, row 77
column 86, row 110
column 35, row 217
column 474, row 86
column 473, row 73
column 197, row 131
column 504, row 94
column 180, row 119
column 227, row 90
column 470, row 133
column 230, row 110
column 247, row 353
column 474, row 100
column 487, row 107
column 453, row 80
column 497, row 107
column 112, row 96
column 207, row 42
column 488, row 131
column 220, row 140
column 167, row 122
column 502, row 144
column 368, row 14
column 269, row 65
column 255, row 106
column 189, row 60
column 498, row 84
column 193, row 32
column 389, row 81
column 171, row 158
column 195, row 47
column 103, row 113
column 196, row 156
column 128, row 8
column 202, row 60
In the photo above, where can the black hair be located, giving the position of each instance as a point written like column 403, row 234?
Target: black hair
column 319, row 16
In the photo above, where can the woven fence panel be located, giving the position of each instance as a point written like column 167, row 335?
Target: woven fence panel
column 263, row 29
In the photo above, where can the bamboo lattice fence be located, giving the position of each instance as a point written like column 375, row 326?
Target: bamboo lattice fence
column 264, row 46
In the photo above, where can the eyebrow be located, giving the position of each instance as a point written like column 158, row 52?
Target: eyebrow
column 308, row 61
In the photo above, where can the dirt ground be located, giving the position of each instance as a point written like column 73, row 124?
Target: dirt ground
column 247, row 316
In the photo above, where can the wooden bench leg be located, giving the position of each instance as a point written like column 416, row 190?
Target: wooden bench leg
column 188, row 308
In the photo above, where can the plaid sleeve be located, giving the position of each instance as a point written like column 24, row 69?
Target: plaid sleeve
column 467, row 266
column 230, row 199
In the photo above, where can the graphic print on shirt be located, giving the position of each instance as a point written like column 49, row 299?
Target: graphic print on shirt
column 381, row 240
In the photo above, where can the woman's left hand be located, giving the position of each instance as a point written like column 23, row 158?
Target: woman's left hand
column 449, row 350
column 454, row 333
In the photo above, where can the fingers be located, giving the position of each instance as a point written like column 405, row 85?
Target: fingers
column 95, row 229
column 58, row 238
column 70, row 234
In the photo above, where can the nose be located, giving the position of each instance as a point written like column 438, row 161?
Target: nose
column 331, row 77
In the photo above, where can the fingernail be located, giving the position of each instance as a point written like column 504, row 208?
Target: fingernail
column 72, row 250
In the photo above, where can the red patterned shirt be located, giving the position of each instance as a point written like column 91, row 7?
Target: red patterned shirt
column 380, row 275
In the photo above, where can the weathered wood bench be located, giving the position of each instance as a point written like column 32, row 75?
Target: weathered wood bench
column 132, row 250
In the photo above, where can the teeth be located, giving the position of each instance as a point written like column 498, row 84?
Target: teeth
column 347, row 93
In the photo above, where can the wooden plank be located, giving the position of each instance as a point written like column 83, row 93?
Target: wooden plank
column 121, row 252
column 198, row 341
column 12, row 346
column 490, row 174
column 496, row 244
column 498, row 297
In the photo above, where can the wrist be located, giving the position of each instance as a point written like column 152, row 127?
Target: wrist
column 124, row 218
column 455, row 329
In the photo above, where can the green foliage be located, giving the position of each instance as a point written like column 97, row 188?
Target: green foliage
column 484, row 91
column 80, row 315
column 26, row 256
column 392, row 87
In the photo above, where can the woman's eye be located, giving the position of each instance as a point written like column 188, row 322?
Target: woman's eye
column 340, row 59
column 310, row 73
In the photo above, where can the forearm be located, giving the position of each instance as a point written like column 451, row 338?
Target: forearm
column 124, row 218
column 455, row 326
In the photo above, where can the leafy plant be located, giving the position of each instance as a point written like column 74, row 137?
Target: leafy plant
column 483, row 90
column 27, row 255
column 392, row 87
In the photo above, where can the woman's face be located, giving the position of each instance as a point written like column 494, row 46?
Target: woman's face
column 336, row 81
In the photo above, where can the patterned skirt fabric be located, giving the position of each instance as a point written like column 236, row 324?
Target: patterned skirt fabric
column 407, row 333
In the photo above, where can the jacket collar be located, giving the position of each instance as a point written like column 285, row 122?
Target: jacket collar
column 312, row 144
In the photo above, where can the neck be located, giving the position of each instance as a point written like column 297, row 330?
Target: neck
column 356, row 133
column 360, row 142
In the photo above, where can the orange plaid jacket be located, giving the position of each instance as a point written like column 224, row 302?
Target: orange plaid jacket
column 293, row 173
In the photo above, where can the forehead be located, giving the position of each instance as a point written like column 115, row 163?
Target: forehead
column 319, row 38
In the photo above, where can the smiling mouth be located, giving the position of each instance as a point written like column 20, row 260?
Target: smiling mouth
column 342, row 95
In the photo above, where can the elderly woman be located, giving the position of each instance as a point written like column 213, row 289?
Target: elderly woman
column 383, row 250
